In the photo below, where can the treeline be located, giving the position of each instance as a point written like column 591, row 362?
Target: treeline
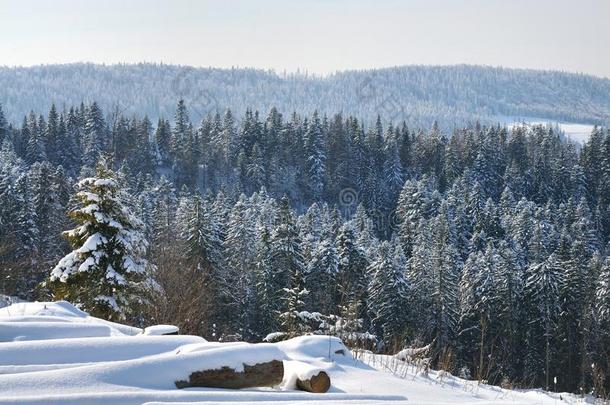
column 489, row 245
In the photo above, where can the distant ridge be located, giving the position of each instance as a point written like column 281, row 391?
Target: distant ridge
column 452, row 95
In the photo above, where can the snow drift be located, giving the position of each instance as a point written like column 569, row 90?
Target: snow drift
column 123, row 365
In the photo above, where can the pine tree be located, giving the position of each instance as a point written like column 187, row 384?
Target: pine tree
column 316, row 157
column 239, row 254
column 202, row 253
column 163, row 142
column 286, row 256
column 352, row 265
column 293, row 319
column 542, row 294
column 412, row 206
column 393, row 169
column 35, row 148
column 52, row 136
column 106, row 273
column 387, row 297
column 321, row 278
column 18, row 232
column 94, row 141
column 49, row 208
column 445, row 267
column 266, row 288
column 480, row 307
column 256, row 168
column 510, row 298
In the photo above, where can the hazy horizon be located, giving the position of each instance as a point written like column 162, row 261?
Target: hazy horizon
column 318, row 37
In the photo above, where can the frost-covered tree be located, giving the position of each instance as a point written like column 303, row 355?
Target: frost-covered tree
column 602, row 301
column 352, row 271
column 239, row 256
column 321, row 278
column 106, row 274
column 388, row 295
column 316, row 157
column 265, row 285
column 286, row 256
column 542, row 294
column 94, row 135
column 293, row 319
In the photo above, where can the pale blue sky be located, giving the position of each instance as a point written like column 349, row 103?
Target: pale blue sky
column 314, row 35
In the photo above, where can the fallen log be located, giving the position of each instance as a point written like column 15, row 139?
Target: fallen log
column 318, row 383
column 266, row 374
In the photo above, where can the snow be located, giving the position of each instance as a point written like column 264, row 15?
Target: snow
column 131, row 366
column 97, row 349
column 18, row 331
column 97, row 182
column 43, row 319
column 410, row 352
column 274, row 336
column 158, row 330
column 92, row 243
column 577, row 132
column 294, row 370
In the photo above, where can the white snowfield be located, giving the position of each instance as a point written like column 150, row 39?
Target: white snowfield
column 53, row 353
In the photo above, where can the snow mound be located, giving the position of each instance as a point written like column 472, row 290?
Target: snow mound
column 19, row 331
column 60, row 309
column 319, row 347
column 98, row 349
column 54, row 320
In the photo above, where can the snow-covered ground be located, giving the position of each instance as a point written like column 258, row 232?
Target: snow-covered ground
column 52, row 353
column 576, row 132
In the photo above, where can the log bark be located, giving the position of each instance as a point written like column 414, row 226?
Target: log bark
column 318, row 383
column 267, row 374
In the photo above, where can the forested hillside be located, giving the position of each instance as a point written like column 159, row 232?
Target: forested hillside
column 489, row 245
column 419, row 95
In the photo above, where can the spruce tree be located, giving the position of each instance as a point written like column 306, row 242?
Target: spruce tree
column 293, row 319
column 286, row 256
column 106, row 273
column 316, row 157
column 387, row 297
column 352, row 266
column 542, row 295
column 321, row 278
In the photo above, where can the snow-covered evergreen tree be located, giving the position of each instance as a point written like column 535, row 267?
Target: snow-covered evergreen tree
column 542, row 294
column 293, row 319
column 286, row 256
column 352, row 271
column 387, row 296
column 106, row 274
column 316, row 157
column 321, row 278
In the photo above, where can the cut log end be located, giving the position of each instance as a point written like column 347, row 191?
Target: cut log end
column 318, row 383
column 267, row 374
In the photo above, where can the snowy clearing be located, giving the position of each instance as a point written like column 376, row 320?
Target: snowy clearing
column 576, row 132
column 122, row 365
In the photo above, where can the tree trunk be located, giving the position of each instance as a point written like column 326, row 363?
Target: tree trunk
column 318, row 383
column 267, row 374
